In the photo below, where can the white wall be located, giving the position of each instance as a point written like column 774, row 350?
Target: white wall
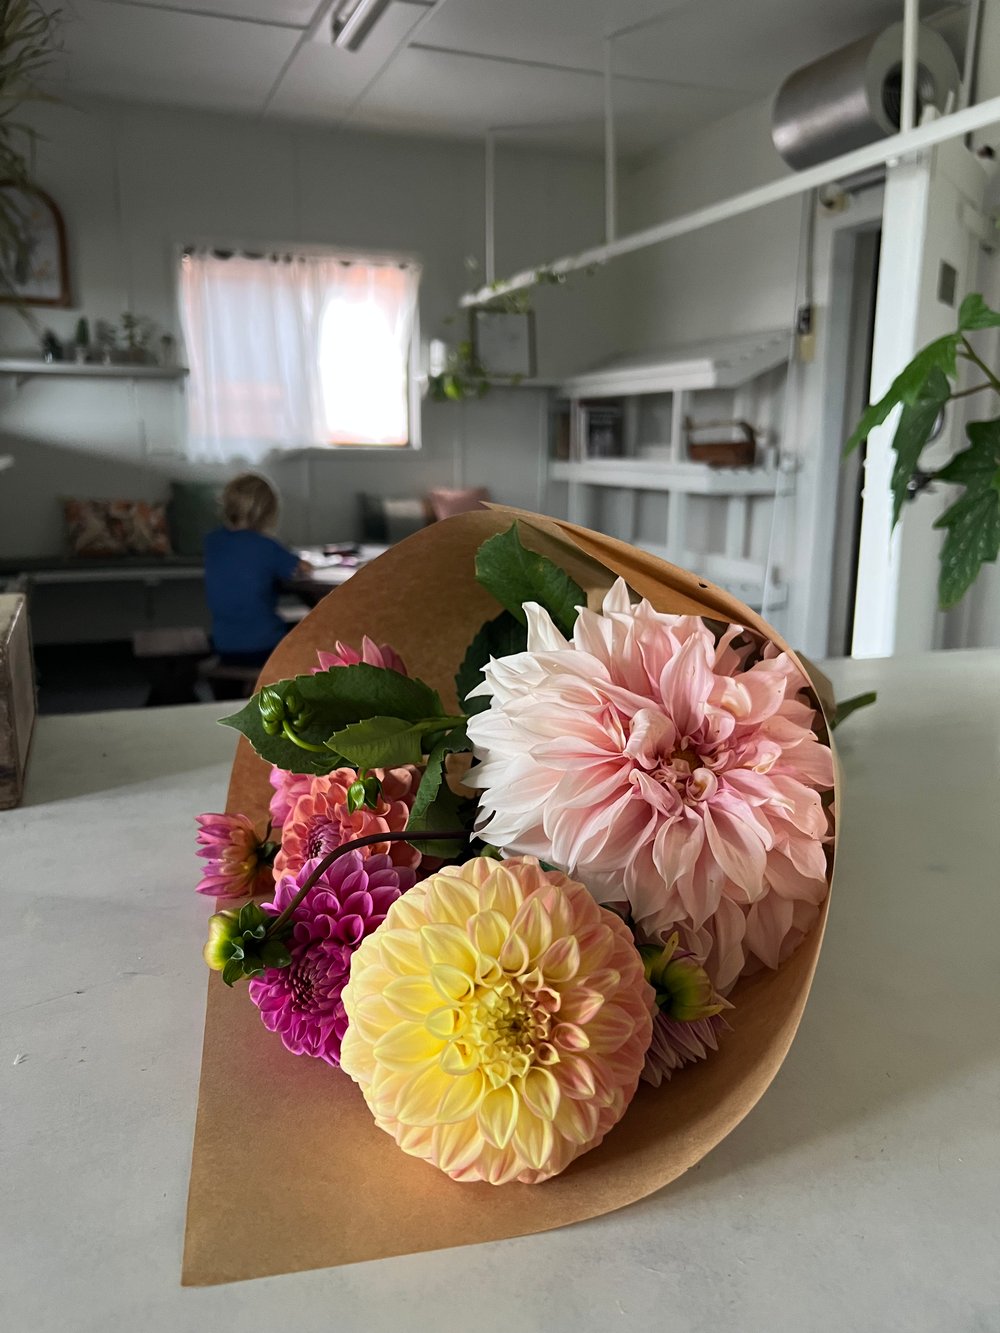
column 136, row 182
column 735, row 277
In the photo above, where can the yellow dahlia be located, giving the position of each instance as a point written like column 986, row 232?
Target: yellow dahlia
column 498, row 1021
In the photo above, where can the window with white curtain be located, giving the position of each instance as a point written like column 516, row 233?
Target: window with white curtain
column 291, row 350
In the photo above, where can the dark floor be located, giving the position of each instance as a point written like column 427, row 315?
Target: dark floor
column 94, row 677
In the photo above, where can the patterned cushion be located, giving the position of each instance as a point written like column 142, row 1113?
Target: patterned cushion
column 116, row 527
column 445, row 502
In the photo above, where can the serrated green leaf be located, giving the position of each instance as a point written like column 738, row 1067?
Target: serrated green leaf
column 333, row 700
column 500, row 637
column 380, row 742
column 974, row 313
column 916, row 421
column 907, row 386
column 456, row 742
column 515, row 575
column 976, row 466
column 973, row 539
column 447, row 811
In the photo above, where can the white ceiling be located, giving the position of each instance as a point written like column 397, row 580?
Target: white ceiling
column 460, row 67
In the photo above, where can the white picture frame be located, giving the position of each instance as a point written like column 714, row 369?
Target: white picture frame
column 503, row 342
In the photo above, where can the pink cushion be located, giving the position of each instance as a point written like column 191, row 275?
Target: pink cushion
column 444, row 502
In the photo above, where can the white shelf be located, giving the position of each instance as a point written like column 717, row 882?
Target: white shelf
column 743, row 578
column 24, row 368
column 637, row 474
column 715, row 365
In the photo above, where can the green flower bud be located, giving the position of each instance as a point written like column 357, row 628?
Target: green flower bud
column 683, row 988
column 224, row 935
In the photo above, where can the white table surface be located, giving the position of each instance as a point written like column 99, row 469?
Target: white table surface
column 862, row 1193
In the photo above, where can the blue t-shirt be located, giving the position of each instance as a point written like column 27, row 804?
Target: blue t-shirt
column 242, row 573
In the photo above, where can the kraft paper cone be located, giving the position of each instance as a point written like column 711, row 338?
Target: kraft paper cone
column 331, row 1188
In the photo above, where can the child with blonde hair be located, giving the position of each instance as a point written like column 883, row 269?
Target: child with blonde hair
column 244, row 568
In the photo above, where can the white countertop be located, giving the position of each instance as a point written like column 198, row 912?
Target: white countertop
column 863, row 1192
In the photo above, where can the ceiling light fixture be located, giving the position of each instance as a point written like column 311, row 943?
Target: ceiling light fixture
column 353, row 20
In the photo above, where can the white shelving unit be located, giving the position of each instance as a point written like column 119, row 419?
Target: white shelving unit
column 729, row 367
column 25, row 368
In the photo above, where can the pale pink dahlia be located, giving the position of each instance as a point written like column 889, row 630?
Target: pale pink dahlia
column 235, row 859
column 372, row 653
column 302, row 1002
column 654, row 765
column 320, row 820
column 288, row 787
column 498, row 1021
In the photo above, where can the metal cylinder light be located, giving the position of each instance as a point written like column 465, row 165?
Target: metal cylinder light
column 852, row 97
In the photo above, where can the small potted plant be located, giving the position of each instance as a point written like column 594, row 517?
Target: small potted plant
column 106, row 339
column 81, row 341
column 137, row 333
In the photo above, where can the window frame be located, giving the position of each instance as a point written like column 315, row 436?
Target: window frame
column 415, row 375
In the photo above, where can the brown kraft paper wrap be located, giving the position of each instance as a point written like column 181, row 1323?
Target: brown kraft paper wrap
column 333, row 1188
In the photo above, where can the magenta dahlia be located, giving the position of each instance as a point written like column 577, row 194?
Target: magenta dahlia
column 302, row 1002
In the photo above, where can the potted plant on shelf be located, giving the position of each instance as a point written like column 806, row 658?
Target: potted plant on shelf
column 137, row 334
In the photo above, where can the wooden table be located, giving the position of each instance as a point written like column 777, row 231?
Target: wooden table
column 863, row 1193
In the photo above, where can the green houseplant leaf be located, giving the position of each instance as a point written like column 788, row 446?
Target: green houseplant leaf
column 939, row 355
column 515, row 575
column 974, row 313
column 972, row 524
column 916, row 421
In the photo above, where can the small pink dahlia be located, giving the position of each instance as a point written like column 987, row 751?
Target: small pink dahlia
column 653, row 762
column 302, row 1002
column 688, row 1020
column 320, row 820
column 371, row 653
column 235, row 864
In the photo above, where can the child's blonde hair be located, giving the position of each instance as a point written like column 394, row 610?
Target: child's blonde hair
column 250, row 502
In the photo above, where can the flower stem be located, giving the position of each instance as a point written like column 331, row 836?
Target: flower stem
column 296, row 739
column 976, row 388
column 970, row 354
column 441, row 835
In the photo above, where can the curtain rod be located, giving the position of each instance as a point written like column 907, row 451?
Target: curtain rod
column 290, row 257
column 952, row 126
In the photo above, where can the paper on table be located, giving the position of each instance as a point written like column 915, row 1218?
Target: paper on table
column 289, row 1171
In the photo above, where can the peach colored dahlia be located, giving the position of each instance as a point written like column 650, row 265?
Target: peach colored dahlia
column 288, row 787
column 654, row 764
column 497, row 1021
column 320, row 821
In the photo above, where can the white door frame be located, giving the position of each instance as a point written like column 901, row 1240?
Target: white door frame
column 821, row 416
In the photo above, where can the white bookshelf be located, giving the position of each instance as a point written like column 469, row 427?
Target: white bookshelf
column 729, row 371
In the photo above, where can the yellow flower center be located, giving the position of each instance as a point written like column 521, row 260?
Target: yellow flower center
column 510, row 1029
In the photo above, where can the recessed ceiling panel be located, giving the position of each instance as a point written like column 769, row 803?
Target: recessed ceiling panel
column 569, row 33
column 440, row 93
column 324, row 80
column 749, row 44
column 149, row 55
column 281, row 13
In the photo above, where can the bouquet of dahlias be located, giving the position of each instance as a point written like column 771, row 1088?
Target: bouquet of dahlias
column 499, row 913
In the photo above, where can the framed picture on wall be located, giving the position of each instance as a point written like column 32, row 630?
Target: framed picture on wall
column 503, row 343
column 35, row 272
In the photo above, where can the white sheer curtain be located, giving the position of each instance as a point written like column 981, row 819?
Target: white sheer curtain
column 292, row 351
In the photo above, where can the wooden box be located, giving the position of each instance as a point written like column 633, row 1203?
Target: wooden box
column 17, row 697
